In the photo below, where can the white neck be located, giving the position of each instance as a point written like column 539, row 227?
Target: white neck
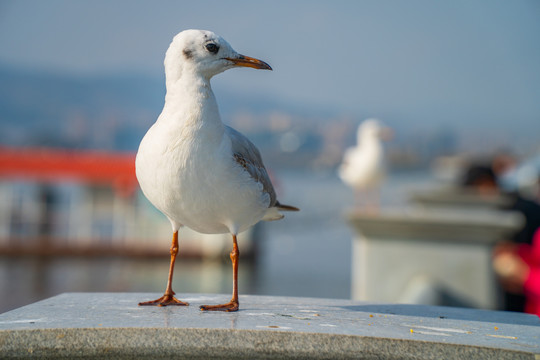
column 190, row 104
column 188, row 87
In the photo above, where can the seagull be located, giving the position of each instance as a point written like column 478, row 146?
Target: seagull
column 363, row 167
column 197, row 171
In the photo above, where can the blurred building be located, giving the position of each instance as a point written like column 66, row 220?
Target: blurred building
column 64, row 202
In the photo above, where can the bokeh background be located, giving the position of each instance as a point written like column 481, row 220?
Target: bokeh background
column 456, row 79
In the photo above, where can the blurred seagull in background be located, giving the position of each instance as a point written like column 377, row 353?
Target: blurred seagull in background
column 197, row 171
column 364, row 167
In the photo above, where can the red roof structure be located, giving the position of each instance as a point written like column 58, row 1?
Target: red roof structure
column 57, row 165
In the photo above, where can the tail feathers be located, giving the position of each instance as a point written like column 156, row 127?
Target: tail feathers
column 273, row 213
column 286, row 207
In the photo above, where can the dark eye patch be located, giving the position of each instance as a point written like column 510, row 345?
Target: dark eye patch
column 188, row 53
column 213, row 48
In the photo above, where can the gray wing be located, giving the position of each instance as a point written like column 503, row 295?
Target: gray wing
column 248, row 156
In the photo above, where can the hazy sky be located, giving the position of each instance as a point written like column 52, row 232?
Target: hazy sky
column 463, row 62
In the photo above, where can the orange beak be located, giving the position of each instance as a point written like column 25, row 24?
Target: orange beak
column 247, row 61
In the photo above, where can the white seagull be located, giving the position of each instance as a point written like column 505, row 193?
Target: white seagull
column 364, row 167
column 197, row 171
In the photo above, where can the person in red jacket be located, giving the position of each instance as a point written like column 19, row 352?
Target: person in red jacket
column 518, row 267
column 516, row 262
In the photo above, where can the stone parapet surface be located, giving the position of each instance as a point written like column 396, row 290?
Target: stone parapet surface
column 111, row 325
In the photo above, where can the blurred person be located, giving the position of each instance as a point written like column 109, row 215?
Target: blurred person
column 513, row 274
column 518, row 268
column 481, row 179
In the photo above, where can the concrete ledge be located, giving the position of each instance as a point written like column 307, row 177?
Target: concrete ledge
column 438, row 225
column 78, row 325
column 443, row 256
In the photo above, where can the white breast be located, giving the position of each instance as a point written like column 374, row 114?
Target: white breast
column 363, row 166
column 189, row 174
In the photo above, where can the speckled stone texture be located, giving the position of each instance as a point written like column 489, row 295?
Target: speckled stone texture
column 112, row 326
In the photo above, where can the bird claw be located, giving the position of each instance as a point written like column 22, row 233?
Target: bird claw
column 165, row 300
column 229, row 307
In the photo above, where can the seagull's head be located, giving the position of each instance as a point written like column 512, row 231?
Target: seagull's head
column 205, row 53
column 373, row 129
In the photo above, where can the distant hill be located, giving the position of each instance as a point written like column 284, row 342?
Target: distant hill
column 113, row 113
column 106, row 112
column 58, row 110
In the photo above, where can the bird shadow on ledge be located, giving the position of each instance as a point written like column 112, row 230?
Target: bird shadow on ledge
column 446, row 312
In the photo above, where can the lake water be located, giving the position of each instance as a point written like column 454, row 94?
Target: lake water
column 306, row 254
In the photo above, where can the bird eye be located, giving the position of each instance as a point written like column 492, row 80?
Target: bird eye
column 213, row 48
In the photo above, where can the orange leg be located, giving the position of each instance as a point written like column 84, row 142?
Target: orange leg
column 168, row 298
column 233, row 304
